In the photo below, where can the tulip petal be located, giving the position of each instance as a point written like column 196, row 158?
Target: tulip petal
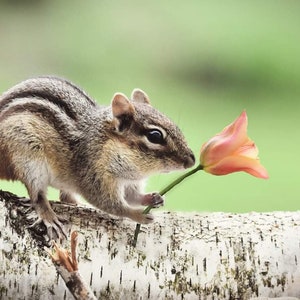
column 249, row 150
column 232, row 164
column 226, row 142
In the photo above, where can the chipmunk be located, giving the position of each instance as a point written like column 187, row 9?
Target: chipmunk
column 53, row 134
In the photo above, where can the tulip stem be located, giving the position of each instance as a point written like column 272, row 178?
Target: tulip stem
column 163, row 192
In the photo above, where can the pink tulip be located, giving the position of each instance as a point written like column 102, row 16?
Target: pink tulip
column 231, row 151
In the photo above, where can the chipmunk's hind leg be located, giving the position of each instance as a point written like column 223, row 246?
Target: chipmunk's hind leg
column 67, row 197
column 35, row 174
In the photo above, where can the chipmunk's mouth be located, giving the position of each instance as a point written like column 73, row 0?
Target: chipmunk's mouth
column 166, row 171
column 173, row 169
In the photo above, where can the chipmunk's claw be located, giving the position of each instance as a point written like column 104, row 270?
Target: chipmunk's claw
column 54, row 227
column 146, row 219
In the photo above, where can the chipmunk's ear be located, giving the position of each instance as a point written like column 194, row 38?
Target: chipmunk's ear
column 122, row 110
column 138, row 95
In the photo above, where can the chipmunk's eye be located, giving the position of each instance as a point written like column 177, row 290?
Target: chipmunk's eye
column 155, row 136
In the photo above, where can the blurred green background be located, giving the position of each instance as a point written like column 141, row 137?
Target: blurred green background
column 201, row 63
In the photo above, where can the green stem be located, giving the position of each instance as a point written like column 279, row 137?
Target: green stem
column 163, row 192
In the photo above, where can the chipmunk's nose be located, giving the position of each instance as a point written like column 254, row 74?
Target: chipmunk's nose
column 189, row 161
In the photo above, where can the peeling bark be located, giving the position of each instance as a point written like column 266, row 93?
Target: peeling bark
column 180, row 256
column 66, row 265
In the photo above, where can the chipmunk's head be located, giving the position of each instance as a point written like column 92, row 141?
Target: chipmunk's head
column 147, row 139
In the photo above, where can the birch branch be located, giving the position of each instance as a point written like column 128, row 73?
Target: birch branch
column 180, row 256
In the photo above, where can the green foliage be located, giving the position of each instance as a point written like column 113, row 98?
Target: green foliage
column 201, row 64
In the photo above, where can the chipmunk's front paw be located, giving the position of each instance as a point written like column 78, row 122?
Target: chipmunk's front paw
column 153, row 199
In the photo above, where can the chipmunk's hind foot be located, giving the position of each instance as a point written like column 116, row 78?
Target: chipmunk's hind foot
column 46, row 215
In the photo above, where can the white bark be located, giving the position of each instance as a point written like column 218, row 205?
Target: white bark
column 180, row 256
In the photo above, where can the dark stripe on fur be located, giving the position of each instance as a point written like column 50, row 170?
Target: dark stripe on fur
column 48, row 114
column 75, row 87
column 65, row 107
column 46, row 88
